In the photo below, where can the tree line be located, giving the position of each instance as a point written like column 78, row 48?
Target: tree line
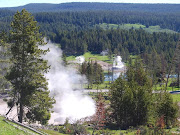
column 125, row 42
column 52, row 22
column 93, row 71
column 98, row 6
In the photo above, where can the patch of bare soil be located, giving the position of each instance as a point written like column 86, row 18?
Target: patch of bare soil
column 105, row 65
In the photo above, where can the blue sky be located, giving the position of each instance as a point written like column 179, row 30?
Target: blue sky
column 12, row 3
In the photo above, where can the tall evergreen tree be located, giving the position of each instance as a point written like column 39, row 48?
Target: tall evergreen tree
column 122, row 103
column 177, row 62
column 30, row 91
column 131, row 97
column 167, row 109
column 98, row 74
column 93, row 71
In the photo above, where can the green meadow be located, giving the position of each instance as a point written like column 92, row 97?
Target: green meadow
column 128, row 26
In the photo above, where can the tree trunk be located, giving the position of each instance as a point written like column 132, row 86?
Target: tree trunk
column 168, row 77
column 20, row 117
column 178, row 77
column 11, row 105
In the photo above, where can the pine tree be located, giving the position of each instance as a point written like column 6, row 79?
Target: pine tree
column 167, row 109
column 30, row 91
column 122, row 103
column 177, row 62
column 98, row 74
column 93, row 72
column 131, row 97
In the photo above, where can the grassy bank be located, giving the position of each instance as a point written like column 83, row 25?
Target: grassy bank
column 10, row 128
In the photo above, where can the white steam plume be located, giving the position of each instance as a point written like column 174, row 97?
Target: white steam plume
column 80, row 59
column 61, row 81
column 117, row 63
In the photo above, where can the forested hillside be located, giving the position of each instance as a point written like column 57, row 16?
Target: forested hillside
column 77, row 30
column 87, row 6
column 51, row 22
column 116, row 41
column 37, row 80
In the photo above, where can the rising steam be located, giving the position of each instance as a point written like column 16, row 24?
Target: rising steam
column 80, row 59
column 117, row 63
column 61, row 82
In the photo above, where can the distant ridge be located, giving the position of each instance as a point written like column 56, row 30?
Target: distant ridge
column 88, row 6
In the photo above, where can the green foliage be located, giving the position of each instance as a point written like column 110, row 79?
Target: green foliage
column 66, row 129
column 134, row 104
column 93, row 72
column 77, row 32
column 89, row 55
column 51, row 22
column 118, row 41
column 64, row 59
column 13, row 129
column 167, row 109
column 131, row 97
column 176, row 97
column 76, row 128
column 150, row 29
column 26, row 72
column 96, row 6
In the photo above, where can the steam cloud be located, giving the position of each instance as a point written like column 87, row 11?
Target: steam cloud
column 61, row 82
column 117, row 63
column 80, row 59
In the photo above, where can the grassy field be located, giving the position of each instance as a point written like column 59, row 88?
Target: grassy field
column 162, row 87
column 104, row 85
column 89, row 56
column 157, row 28
column 70, row 58
column 13, row 129
column 129, row 26
column 176, row 97
column 108, row 131
column 51, row 132
column 113, row 132
column 149, row 29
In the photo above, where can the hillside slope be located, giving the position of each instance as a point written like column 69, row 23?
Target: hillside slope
column 9, row 128
column 86, row 6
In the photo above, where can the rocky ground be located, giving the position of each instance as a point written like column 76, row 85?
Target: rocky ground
column 4, row 108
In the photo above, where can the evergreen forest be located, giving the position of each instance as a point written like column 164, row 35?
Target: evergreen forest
column 139, row 99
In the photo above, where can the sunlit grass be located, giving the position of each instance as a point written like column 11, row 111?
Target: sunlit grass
column 89, row 56
column 128, row 26
column 51, row 132
column 9, row 129
column 176, row 97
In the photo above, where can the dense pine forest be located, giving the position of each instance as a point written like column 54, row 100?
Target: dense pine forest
column 131, row 101
column 67, row 26
column 125, row 42
column 77, row 29
column 78, row 32
column 56, row 21
column 92, row 6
